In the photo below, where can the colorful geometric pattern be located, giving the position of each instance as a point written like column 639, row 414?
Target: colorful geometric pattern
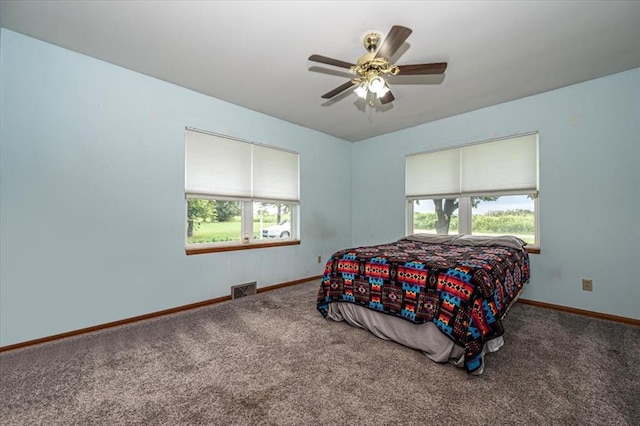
column 464, row 290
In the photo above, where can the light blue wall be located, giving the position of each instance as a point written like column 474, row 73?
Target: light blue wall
column 92, row 194
column 589, row 186
column 92, row 199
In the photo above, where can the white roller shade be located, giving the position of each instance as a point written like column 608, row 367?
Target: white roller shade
column 433, row 173
column 503, row 165
column 217, row 166
column 275, row 174
column 506, row 165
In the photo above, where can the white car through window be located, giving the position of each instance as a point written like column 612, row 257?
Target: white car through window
column 282, row 230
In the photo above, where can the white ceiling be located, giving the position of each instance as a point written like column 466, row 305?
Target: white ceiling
column 254, row 53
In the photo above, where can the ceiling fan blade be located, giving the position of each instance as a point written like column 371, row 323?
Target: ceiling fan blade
column 394, row 40
column 330, row 61
column 338, row 89
column 387, row 98
column 417, row 69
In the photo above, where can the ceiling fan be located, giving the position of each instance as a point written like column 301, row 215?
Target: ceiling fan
column 373, row 66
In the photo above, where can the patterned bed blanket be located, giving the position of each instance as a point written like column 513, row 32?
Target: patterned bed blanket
column 464, row 290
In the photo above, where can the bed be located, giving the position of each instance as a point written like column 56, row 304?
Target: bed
column 443, row 295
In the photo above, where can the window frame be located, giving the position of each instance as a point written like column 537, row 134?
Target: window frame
column 465, row 209
column 246, row 216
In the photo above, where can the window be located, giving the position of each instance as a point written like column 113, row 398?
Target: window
column 488, row 188
column 239, row 194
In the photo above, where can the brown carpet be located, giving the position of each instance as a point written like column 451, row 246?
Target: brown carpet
column 272, row 359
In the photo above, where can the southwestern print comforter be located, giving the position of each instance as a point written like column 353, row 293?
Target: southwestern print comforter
column 463, row 288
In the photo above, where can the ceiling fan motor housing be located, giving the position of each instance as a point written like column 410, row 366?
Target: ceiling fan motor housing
column 370, row 65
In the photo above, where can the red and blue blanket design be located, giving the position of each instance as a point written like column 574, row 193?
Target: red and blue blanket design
column 464, row 290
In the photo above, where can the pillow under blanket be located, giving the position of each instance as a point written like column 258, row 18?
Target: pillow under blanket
column 469, row 240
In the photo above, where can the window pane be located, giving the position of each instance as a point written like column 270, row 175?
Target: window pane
column 504, row 215
column 271, row 220
column 435, row 216
column 213, row 221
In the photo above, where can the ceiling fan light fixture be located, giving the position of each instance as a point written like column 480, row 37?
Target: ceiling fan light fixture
column 385, row 89
column 377, row 84
column 361, row 90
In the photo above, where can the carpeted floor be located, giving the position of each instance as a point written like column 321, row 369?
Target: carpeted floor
column 272, row 359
